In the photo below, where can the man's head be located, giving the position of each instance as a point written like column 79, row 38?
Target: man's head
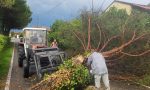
column 88, row 53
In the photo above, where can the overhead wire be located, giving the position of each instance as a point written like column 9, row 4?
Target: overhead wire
column 57, row 5
column 60, row 3
column 53, row 8
column 101, row 6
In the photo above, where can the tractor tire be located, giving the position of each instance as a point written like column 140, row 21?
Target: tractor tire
column 21, row 56
column 25, row 68
column 20, row 62
column 39, row 77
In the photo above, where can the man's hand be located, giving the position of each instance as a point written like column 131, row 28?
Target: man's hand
column 91, row 72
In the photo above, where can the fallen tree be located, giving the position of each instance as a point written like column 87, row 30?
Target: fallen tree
column 126, row 38
column 58, row 80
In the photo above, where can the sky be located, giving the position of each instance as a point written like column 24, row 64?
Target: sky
column 45, row 12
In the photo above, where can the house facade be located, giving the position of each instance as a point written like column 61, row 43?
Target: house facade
column 128, row 6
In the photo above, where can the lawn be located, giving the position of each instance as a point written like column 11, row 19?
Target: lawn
column 5, row 57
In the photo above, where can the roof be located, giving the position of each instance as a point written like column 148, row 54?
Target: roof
column 144, row 7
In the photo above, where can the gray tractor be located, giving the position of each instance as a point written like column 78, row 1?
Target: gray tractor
column 34, row 51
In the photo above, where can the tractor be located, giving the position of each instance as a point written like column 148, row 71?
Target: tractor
column 33, row 50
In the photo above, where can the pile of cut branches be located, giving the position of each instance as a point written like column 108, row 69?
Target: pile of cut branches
column 53, row 81
column 70, row 75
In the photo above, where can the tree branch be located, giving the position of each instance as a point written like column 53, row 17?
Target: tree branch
column 108, row 42
column 135, row 55
column 100, row 36
column 79, row 40
column 108, row 61
column 117, row 50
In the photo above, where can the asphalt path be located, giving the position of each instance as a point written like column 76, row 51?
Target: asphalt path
column 17, row 82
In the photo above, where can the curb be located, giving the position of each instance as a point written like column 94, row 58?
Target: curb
column 9, row 73
column 140, row 84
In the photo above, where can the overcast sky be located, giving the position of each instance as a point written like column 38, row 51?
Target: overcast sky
column 45, row 12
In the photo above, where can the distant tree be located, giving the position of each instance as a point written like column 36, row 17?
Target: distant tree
column 2, row 40
column 6, row 3
column 21, row 14
column 15, row 18
column 12, row 34
column 62, row 31
column 148, row 4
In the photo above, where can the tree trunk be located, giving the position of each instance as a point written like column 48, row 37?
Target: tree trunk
column 89, row 33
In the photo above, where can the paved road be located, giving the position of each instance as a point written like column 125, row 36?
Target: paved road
column 125, row 85
column 19, row 83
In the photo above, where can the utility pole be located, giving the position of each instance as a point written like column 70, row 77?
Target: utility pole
column 92, row 6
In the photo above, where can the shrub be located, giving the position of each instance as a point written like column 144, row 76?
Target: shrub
column 138, row 66
column 2, row 42
column 145, row 80
column 80, row 76
column 70, row 76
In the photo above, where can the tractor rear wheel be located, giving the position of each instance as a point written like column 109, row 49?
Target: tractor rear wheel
column 25, row 68
column 21, row 56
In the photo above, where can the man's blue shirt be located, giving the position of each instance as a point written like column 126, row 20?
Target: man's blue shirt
column 97, row 62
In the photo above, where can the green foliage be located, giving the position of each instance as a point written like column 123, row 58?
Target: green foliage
column 21, row 35
column 5, row 56
column 4, row 41
column 16, row 17
column 111, row 23
column 138, row 66
column 1, row 42
column 62, row 32
column 80, row 76
column 113, row 20
column 6, row 3
column 21, row 14
column 138, row 21
column 145, row 80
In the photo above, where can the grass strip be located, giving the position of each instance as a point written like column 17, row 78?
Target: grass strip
column 5, row 57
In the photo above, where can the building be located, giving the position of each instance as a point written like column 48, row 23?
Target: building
column 128, row 6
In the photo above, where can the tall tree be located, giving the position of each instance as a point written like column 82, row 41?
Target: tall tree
column 3, row 5
column 15, row 18
column 6, row 3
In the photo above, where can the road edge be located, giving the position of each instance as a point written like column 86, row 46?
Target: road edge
column 9, row 73
column 140, row 84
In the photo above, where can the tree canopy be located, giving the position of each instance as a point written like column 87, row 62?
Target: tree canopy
column 6, row 3
column 16, row 17
column 109, row 31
